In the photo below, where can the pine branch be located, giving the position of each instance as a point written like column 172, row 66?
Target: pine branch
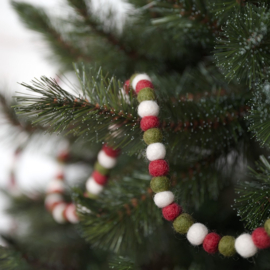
column 122, row 263
column 258, row 117
column 242, row 51
column 81, row 7
column 122, row 217
column 37, row 20
column 253, row 203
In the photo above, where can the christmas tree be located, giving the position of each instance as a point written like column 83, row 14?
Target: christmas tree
column 170, row 114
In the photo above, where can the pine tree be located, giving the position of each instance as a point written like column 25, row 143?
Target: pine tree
column 209, row 62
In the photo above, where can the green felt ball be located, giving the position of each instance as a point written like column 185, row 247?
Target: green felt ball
column 226, row 246
column 131, row 79
column 101, row 169
column 267, row 226
column 182, row 223
column 146, row 94
column 160, row 183
column 152, row 135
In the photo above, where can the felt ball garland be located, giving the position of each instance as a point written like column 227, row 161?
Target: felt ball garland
column 245, row 244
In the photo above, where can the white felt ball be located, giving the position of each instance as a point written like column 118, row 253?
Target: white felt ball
column 58, row 212
column 56, row 185
column 245, row 246
column 155, row 151
column 148, row 108
column 163, row 199
column 197, row 233
column 140, row 77
column 71, row 213
column 53, row 198
column 106, row 161
column 93, row 187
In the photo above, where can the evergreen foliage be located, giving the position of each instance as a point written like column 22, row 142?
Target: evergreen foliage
column 209, row 62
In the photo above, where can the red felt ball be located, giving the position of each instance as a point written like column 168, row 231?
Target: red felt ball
column 143, row 84
column 99, row 178
column 172, row 211
column 60, row 176
column 127, row 86
column 148, row 122
column 110, row 151
column 210, row 242
column 260, row 238
column 158, row 167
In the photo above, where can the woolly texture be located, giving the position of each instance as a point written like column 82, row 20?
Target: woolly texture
column 158, row 167
column 101, row 169
column 52, row 199
column 149, row 122
column 152, row 135
column 196, row 234
column 267, row 226
column 58, row 213
column 148, row 108
column 182, row 223
column 163, row 199
column 92, row 187
column 210, row 243
column 56, row 186
column 99, row 178
column 160, row 183
column 110, row 151
column 146, row 94
column 226, row 246
column 70, row 213
column 172, row 211
column 138, row 77
column 260, row 238
column 143, row 84
column 106, row 161
column 245, row 246
column 155, row 151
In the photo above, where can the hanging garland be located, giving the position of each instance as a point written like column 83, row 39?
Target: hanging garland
column 197, row 234
column 62, row 211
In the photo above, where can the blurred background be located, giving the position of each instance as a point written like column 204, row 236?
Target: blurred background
column 23, row 57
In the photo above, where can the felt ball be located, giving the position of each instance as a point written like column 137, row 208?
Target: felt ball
column 58, row 212
column 182, row 223
column 148, row 108
column 56, row 186
column 267, row 226
column 196, row 234
column 226, row 246
column 163, row 199
column 70, row 213
column 172, row 211
column 152, row 135
column 60, row 175
column 155, row 151
column 93, row 187
column 146, row 94
column 245, row 246
column 139, row 77
column 110, row 151
column 149, row 122
column 143, row 84
column 158, row 167
column 160, row 183
column 260, row 238
column 106, row 161
column 52, row 199
column 127, row 86
column 210, row 243
column 101, row 169
column 99, row 178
